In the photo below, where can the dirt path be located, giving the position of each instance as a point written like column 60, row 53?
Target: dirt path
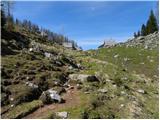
column 71, row 98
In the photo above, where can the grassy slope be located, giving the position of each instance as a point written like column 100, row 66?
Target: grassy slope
column 103, row 64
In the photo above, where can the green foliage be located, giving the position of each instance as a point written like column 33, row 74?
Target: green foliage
column 152, row 25
column 10, row 23
column 3, row 19
column 22, row 110
column 143, row 30
column 135, row 34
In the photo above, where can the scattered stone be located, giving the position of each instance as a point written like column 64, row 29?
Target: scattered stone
column 48, row 55
column 83, row 77
column 151, row 60
column 115, row 56
column 62, row 115
column 122, row 105
column 87, row 92
column 58, row 63
column 92, row 78
column 107, row 80
column 140, row 91
column 79, row 65
column 126, row 59
column 104, row 90
column 146, row 47
column 115, row 86
column 31, row 85
column 78, row 86
column 70, row 67
column 147, row 42
column 71, row 87
column 12, row 105
column 50, row 96
column 30, row 49
column 27, row 77
column 66, row 85
column 11, row 99
column 123, row 93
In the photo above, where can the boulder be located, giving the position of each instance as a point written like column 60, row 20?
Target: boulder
column 115, row 56
column 104, row 90
column 48, row 55
column 30, row 49
column 78, row 86
column 140, row 91
column 83, row 77
column 92, row 78
column 50, row 96
column 62, row 115
column 31, row 85
column 55, row 97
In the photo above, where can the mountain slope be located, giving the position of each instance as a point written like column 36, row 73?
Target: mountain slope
column 117, row 82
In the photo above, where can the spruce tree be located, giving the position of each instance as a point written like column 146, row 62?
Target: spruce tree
column 143, row 30
column 10, row 23
column 152, row 25
column 135, row 35
column 3, row 19
column 138, row 34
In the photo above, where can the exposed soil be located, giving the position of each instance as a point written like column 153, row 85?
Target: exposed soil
column 71, row 98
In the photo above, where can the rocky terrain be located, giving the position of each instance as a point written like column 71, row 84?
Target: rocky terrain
column 45, row 80
column 148, row 42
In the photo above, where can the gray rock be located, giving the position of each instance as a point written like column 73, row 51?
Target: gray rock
column 115, row 56
column 83, row 77
column 12, row 105
column 48, row 55
column 104, row 90
column 140, row 91
column 78, row 86
column 87, row 92
column 11, row 99
column 31, row 85
column 30, row 49
column 54, row 96
column 107, row 80
column 123, row 93
column 62, row 115
column 70, row 67
column 147, row 42
column 50, row 96
column 122, row 105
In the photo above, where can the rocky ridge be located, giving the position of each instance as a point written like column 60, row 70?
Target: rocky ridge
column 150, row 41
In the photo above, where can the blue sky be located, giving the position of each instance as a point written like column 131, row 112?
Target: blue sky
column 88, row 23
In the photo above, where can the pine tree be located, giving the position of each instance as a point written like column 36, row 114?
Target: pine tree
column 3, row 18
column 143, row 30
column 135, row 35
column 152, row 25
column 10, row 23
column 138, row 34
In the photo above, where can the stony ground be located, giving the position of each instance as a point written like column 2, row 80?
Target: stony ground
column 45, row 80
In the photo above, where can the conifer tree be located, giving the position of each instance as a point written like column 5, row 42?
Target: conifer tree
column 138, row 34
column 135, row 34
column 152, row 25
column 143, row 30
column 3, row 18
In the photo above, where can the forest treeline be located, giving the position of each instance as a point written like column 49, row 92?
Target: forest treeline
column 150, row 27
column 10, row 23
